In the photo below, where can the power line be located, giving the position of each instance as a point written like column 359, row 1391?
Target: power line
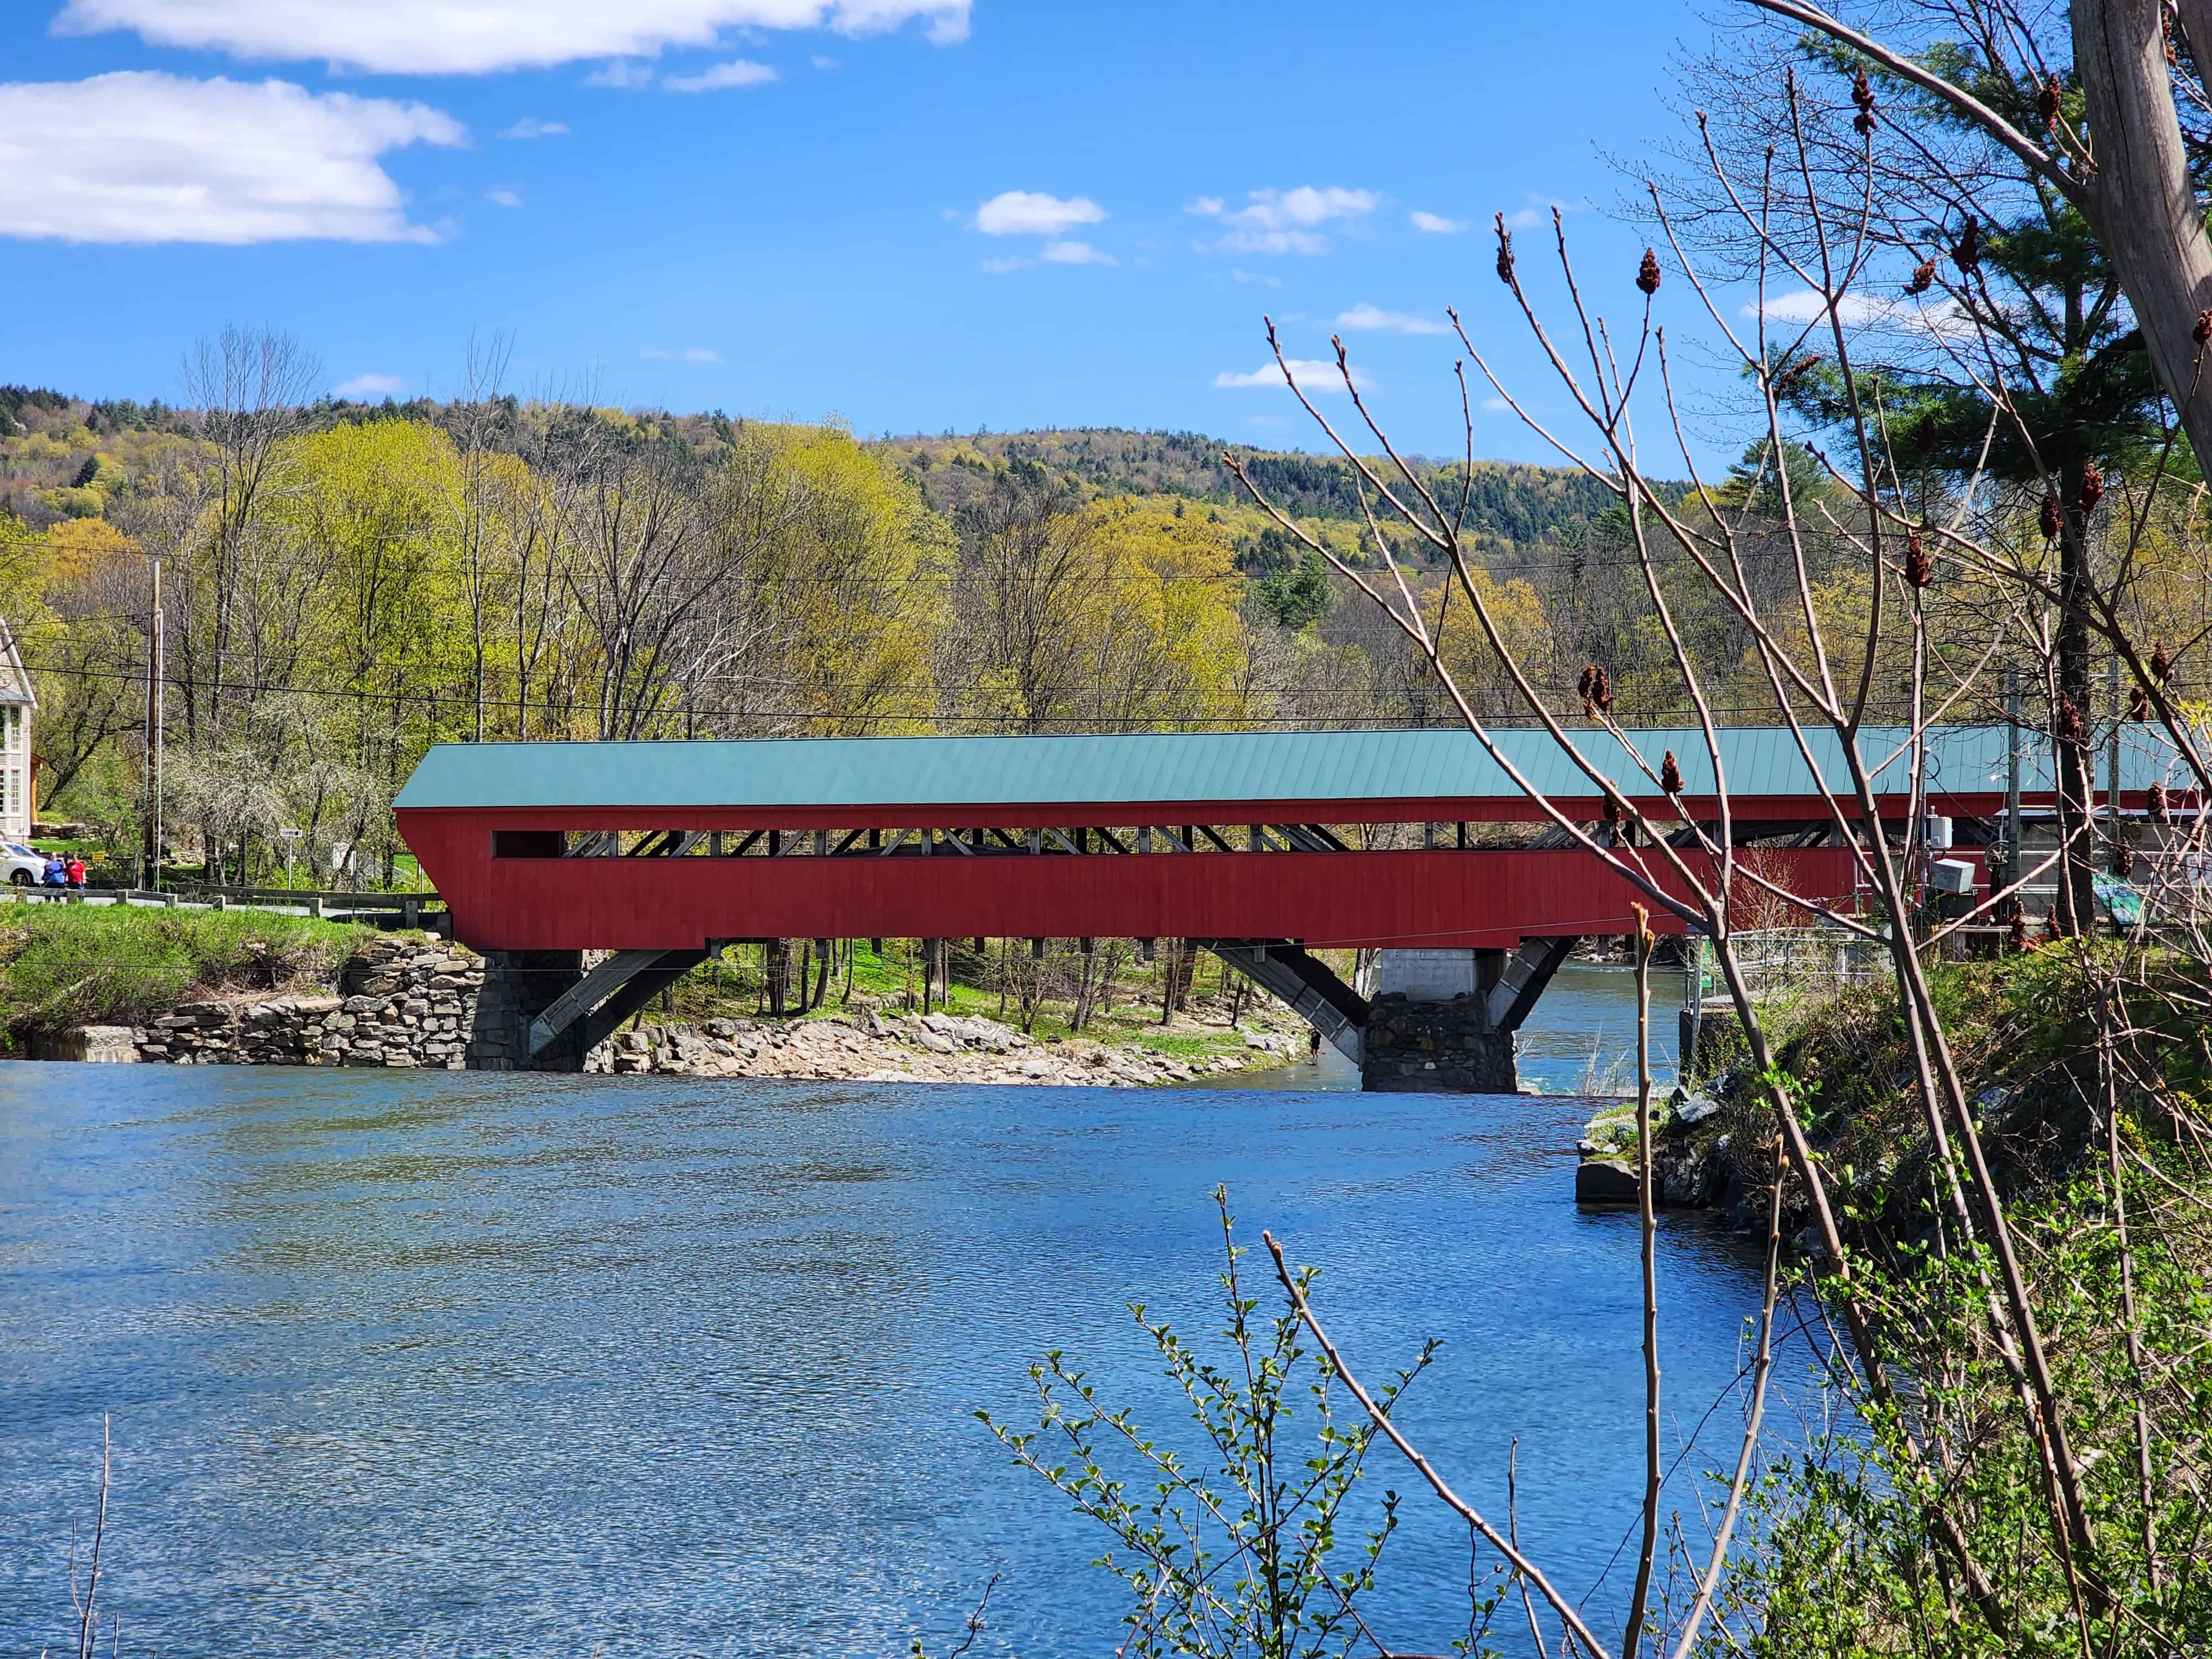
column 465, row 700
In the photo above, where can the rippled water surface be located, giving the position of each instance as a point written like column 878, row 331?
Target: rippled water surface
column 408, row 1363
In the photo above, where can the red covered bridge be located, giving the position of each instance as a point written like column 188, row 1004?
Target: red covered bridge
column 1262, row 845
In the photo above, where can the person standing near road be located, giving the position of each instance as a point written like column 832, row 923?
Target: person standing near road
column 75, row 870
column 56, row 874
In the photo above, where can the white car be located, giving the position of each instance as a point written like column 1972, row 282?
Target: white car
column 22, row 868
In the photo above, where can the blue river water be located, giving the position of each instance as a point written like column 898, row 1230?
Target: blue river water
column 443, row 1363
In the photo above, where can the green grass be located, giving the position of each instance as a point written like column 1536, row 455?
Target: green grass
column 68, row 965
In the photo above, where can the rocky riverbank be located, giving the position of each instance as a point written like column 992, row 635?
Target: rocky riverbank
column 411, row 1004
column 876, row 1048
column 1689, row 1156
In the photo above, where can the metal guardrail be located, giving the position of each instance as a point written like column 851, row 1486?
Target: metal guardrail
column 406, row 909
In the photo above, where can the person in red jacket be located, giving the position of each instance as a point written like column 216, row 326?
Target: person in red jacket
column 76, row 871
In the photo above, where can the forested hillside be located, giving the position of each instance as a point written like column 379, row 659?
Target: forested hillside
column 345, row 584
column 1509, row 505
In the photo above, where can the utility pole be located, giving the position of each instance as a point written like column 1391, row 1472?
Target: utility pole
column 153, row 674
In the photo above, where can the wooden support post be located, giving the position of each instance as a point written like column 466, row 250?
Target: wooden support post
column 1259, row 841
column 1460, row 839
column 821, row 843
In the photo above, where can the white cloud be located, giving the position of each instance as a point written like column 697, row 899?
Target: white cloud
column 1315, row 377
column 1033, row 213
column 436, row 37
column 1244, row 276
column 532, row 128
column 1806, row 306
column 702, row 355
column 505, row 199
column 1075, row 253
column 1943, row 320
column 741, row 72
column 622, row 74
column 821, row 63
column 369, row 385
column 139, row 157
column 1000, row 267
column 1496, row 406
column 1435, row 224
column 1538, row 211
column 1363, row 315
column 1286, row 221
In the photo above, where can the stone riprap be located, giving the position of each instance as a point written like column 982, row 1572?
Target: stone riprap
column 936, row 1047
column 415, row 1005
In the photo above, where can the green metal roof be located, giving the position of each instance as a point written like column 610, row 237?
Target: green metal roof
column 1162, row 768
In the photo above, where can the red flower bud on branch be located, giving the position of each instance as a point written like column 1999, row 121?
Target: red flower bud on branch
column 2138, row 703
column 2016, row 940
column 2202, row 331
column 1917, row 571
column 1601, row 693
column 1924, row 436
column 1647, row 274
column 2093, row 490
column 1863, row 95
column 2123, row 860
column 1670, row 775
column 1967, row 251
column 2046, row 103
column 2160, row 663
column 1923, row 277
column 2158, row 812
column 2048, row 519
column 1504, row 252
column 2069, row 722
column 1612, row 813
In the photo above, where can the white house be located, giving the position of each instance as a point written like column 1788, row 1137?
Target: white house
column 17, row 703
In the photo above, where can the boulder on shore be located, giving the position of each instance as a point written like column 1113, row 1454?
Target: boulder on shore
column 1606, row 1181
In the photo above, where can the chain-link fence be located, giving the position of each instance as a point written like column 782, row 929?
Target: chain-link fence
column 1791, row 962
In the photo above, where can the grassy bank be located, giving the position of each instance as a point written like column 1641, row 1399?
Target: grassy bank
column 63, row 966
column 2085, row 1069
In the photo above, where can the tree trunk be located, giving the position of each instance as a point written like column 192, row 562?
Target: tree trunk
column 2077, row 896
column 2146, row 213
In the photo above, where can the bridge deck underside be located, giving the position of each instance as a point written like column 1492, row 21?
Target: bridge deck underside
column 1328, row 899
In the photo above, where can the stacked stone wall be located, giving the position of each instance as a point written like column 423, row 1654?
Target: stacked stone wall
column 396, row 1004
column 1441, row 1047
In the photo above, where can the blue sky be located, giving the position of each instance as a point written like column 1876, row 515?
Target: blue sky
column 788, row 207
